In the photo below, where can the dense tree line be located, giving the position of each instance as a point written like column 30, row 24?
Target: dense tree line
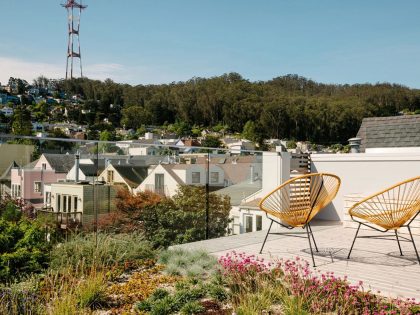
column 285, row 107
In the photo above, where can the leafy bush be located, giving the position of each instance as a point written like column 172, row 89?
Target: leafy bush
column 110, row 250
column 168, row 221
column 23, row 246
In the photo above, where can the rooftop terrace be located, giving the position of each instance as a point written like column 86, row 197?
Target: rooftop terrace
column 376, row 262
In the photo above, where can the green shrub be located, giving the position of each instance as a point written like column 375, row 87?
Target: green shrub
column 144, row 306
column 195, row 264
column 217, row 292
column 163, row 307
column 191, row 308
column 159, row 294
column 23, row 247
column 110, row 250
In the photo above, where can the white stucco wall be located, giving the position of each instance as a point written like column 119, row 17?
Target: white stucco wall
column 71, row 175
column 170, row 184
column 364, row 174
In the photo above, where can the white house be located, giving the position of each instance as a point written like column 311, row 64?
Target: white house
column 7, row 111
column 126, row 175
column 165, row 178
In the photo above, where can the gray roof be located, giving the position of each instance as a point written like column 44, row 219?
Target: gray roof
column 390, row 132
column 90, row 169
column 6, row 174
column 133, row 175
column 61, row 163
column 240, row 191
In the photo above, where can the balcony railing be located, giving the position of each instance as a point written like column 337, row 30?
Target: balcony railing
column 63, row 219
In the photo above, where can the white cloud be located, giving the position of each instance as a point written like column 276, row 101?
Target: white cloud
column 133, row 74
column 28, row 70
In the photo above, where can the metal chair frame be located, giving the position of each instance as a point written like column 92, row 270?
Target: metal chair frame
column 409, row 217
column 306, row 223
column 411, row 239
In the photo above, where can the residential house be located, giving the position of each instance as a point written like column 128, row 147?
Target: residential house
column 28, row 182
column 165, row 178
column 7, row 111
column 393, row 134
column 126, row 175
column 79, row 202
column 86, row 170
column 236, row 146
column 6, row 181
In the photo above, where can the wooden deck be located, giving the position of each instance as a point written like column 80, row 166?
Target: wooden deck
column 376, row 262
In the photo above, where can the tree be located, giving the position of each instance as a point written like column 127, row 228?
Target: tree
column 211, row 142
column 135, row 116
column 249, row 131
column 167, row 221
column 22, row 125
column 54, row 145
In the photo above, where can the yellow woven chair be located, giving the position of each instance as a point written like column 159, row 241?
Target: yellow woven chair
column 297, row 201
column 390, row 209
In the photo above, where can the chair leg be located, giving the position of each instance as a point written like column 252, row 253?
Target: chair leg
column 310, row 245
column 354, row 240
column 398, row 241
column 268, row 232
column 313, row 238
column 414, row 244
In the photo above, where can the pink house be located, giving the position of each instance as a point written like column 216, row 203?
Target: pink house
column 28, row 182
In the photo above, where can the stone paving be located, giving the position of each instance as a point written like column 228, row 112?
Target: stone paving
column 376, row 262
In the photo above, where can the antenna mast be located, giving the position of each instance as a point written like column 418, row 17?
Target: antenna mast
column 74, row 12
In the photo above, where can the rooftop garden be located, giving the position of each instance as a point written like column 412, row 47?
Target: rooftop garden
column 128, row 269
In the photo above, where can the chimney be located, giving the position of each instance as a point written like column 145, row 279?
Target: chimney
column 355, row 145
column 77, row 165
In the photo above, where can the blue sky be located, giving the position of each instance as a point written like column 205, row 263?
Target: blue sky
column 160, row 41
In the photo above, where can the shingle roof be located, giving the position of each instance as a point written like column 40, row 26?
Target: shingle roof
column 61, row 163
column 240, row 191
column 90, row 169
column 6, row 174
column 388, row 132
column 170, row 169
column 133, row 175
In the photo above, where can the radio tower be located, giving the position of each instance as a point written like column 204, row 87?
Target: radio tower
column 74, row 11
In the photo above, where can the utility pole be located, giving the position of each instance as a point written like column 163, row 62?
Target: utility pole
column 74, row 12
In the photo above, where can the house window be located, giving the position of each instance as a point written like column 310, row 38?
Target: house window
column 110, row 176
column 58, row 202
column 37, row 187
column 69, row 203
column 196, row 177
column 248, row 223
column 44, row 166
column 214, row 177
column 15, row 191
column 258, row 222
column 48, row 198
column 64, row 203
column 75, row 203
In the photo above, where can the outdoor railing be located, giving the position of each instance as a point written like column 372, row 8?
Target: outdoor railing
column 63, row 219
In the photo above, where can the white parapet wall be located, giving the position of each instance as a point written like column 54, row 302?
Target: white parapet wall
column 363, row 174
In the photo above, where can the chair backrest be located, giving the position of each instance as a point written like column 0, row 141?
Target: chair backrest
column 392, row 207
column 299, row 199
